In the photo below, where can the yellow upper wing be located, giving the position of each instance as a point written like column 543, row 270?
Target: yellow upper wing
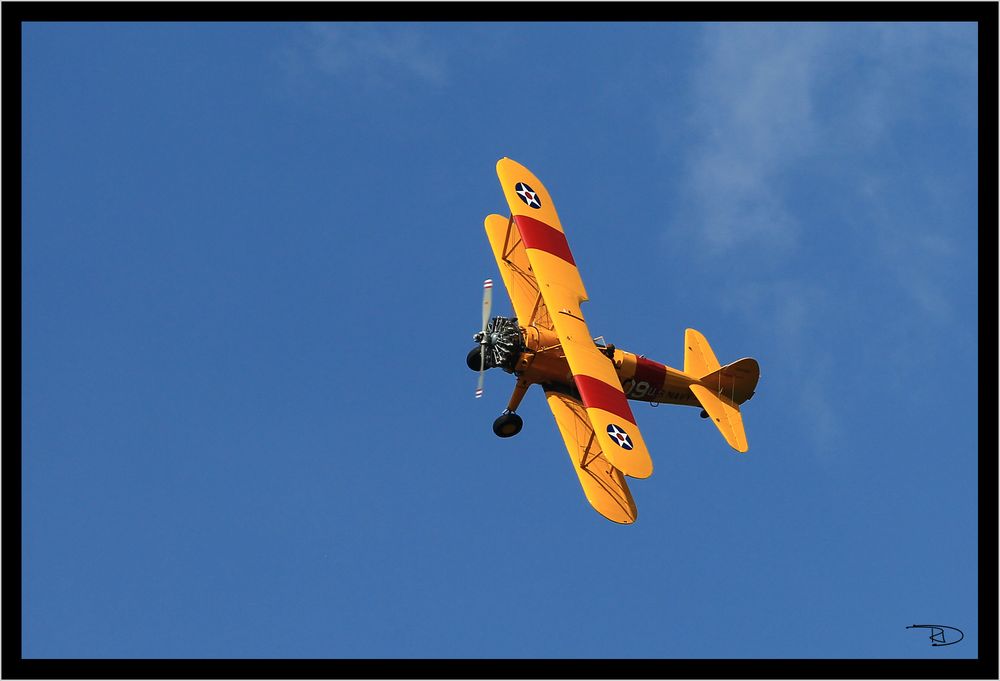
column 562, row 291
column 603, row 484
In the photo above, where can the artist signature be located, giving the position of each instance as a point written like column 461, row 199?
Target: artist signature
column 939, row 636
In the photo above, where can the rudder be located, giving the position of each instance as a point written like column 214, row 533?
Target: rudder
column 737, row 380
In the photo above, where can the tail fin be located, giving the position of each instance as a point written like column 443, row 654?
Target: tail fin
column 699, row 360
column 720, row 390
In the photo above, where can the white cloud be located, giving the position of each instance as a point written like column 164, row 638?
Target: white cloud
column 376, row 54
column 771, row 98
column 753, row 119
column 846, row 103
column 773, row 102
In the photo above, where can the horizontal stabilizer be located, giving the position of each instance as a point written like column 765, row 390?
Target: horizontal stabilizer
column 724, row 414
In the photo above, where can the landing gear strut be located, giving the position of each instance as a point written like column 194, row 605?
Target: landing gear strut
column 507, row 425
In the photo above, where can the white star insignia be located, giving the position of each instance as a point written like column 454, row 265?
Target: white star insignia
column 527, row 195
column 620, row 437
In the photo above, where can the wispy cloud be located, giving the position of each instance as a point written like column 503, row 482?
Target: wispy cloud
column 753, row 119
column 770, row 99
column 376, row 54
column 787, row 316
column 782, row 107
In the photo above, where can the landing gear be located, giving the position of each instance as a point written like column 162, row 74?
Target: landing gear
column 703, row 414
column 507, row 425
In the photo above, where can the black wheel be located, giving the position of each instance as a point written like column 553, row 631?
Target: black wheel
column 473, row 358
column 508, row 425
column 703, row 414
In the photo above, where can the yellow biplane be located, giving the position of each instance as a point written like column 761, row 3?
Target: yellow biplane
column 586, row 381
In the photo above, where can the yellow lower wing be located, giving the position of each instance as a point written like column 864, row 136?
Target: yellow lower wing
column 603, row 484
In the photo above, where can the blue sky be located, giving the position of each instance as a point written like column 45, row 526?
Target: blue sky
column 252, row 266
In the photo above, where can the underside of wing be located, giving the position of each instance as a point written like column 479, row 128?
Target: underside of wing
column 603, row 484
column 562, row 291
column 518, row 279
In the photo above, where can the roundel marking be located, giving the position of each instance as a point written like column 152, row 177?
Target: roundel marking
column 528, row 195
column 619, row 436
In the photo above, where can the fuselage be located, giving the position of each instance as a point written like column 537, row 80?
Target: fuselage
column 542, row 361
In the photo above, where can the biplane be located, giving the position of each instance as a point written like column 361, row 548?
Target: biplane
column 587, row 382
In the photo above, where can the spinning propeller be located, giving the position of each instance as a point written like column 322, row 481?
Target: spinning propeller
column 482, row 336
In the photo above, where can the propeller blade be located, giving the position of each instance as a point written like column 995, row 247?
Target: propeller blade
column 487, row 301
column 482, row 370
column 487, row 304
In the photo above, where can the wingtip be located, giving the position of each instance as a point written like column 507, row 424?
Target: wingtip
column 640, row 474
column 507, row 161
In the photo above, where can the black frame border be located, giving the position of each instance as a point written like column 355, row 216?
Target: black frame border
column 14, row 666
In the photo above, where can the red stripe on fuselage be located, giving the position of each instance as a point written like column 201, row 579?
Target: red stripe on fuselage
column 598, row 394
column 649, row 371
column 537, row 234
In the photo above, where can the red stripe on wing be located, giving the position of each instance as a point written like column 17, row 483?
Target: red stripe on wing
column 598, row 394
column 536, row 234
